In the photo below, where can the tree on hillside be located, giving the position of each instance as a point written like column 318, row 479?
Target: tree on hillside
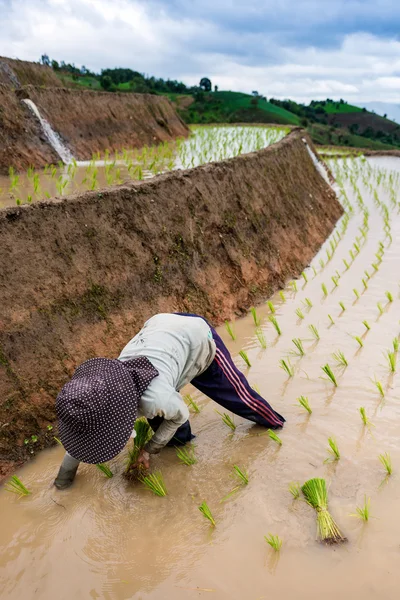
column 45, row 60
column 205, row 84
column 107, row 83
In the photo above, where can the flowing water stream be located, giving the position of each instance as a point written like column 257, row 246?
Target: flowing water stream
column 104, row 538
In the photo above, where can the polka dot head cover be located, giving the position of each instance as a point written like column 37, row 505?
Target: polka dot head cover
column 98, row 407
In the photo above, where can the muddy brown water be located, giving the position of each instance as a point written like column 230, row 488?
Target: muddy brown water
column 105, row 538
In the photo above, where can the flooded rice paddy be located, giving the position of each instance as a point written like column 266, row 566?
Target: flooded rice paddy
column 206, row 144
column 104, row 538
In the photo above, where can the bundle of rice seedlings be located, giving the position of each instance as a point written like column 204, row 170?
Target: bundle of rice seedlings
column 243, row 354
column 299, row 313
column 206, row 512
column 299, row 345
column 274, row 437
column 380, row 308
column 328, row 371
column 261, row 338
column 256, row 318
column 340, row 358
column 303, row 401
column 287, row 367
column 144, row 432
column 274, row 541
column 386, row 462
column 333, row 450
column 389, row 296
column 331, row 320
column 242, row 474
column 186, row 455
column 105, row 469
column 375, row 267
column 155, row 483
column 379, row 387
column 229, row 329
column 359, row 340
column 396, row 344
column 275, row 324
column 294, row 285
column 308, row 303
column 366, row 325
column 342, row 306
column 282, row 295
column 191, row 403
column 15, row 486
column 391, row 357
column 227, row 420
column 294, row 489
column 316, row 496
column 364, row 417
column 271, row 304
column 314, row 331
column 324, row 289
column 363, row 512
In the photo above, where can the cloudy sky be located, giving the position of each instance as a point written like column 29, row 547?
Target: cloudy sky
column 302, row 49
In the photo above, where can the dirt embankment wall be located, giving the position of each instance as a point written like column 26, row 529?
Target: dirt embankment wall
column 17, row 73
column 86, row 121
column 79, row 277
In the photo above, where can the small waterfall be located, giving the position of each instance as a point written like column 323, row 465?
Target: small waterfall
column 52, row 137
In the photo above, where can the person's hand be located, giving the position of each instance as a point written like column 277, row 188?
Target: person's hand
column 144, row 459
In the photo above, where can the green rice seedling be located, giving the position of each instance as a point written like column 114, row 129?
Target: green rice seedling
column 143, row 431
column 105, row 469
column 389, row 296
column 261, row 338
column 227, row 419
column 314, row 331
column 155, row 483
column 206, row 512
column 346, row 264
column 304, row 276
column 386, row 462
column 335, row 280
column 324, row 289
column 342, row 306
column 243, row 354
column 375, row 267
column 356, row 247
column 333, row 450
column 294, row 489
column 274, row 437
column 256, row 318
column 271, row 306
column 242, row 474
column 308, row 303
column 287, row 367
column 229, row 329
column 282, row 295
column 274, row 541
column 365, row 284
column 303, row 401
column 15, row 486
column 314, row 271
column 275, row 324
column 396, row 343
column 299, row 345
column 191, row 403
column 363, row 512
column 321, row 263
column 294, row 285
column 316, row 496
column 351, row 255
column 331, row 320
column 357, row 295
column 380, row 308
column 359, row 340
column 299, row 313
column 366, row 325
column 379, row 387
column 391, row 358
column 56, row 439
column 364, row 417
column 186, row 455
column 340, row 358
column 328, row 371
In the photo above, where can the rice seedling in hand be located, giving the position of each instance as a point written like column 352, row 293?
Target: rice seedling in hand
column 135, row 470
column 287, row 367
column 274, row 437
column 243, row 354
column 261, row 338
column 105, row 469
column 379, row 387
column 333, row 450
column 331, row 320
column 340, row 358
column 15, row 486
column 386, row 462
column 389, row 296
column 359, row 340
column 342, row 306
column 363, row 512
column 366, row 325
column 324, row 289
column 391, row 358
column 396, row 343
column 275, row 324
column 271, row 305
column 155, row 483
column 294, row 489
column 191, row 403
column 328, row 371
column 316, row 496
column 186, row 455
column 314, row 331
column 299, row 345
column 274, row 541
column 256, row 318
column 299, row 313
column 242, row 474
column 364, row 417
column 229, row 329
column 303, row 401
column 227, row 419
column 206, row 512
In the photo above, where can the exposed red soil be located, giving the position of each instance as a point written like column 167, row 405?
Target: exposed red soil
column 79, row 277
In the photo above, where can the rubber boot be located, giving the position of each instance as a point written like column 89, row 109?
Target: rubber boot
column 67, row 472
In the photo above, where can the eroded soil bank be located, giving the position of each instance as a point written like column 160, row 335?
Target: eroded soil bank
column 80, row 276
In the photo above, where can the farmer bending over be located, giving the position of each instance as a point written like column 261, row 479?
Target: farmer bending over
column 98, row 407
